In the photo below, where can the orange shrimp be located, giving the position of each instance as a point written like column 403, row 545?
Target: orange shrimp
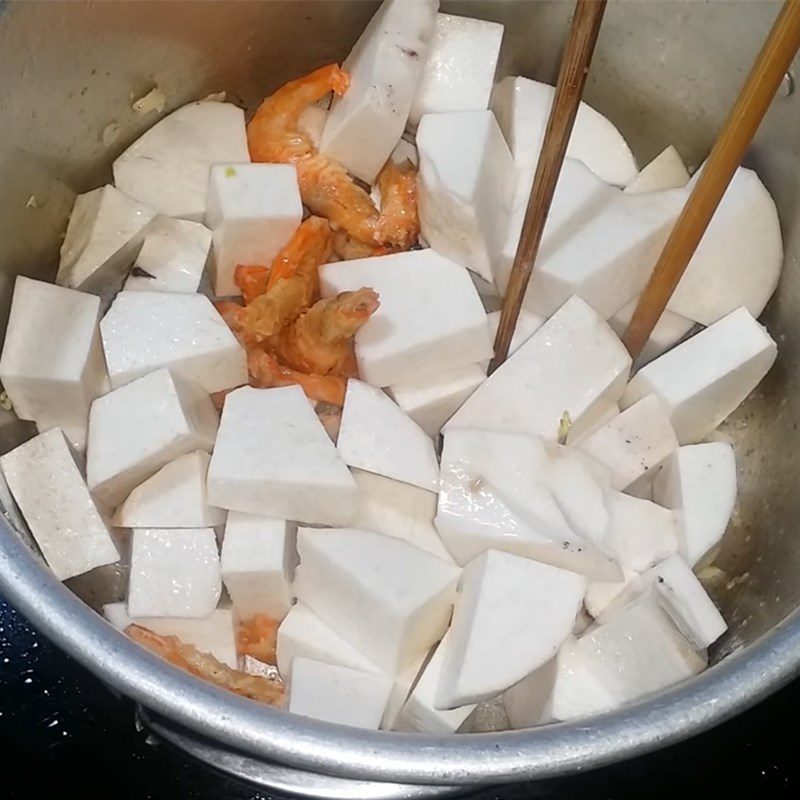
column 321, row 340
column 206, row 666
column 266, row 372
column 399, row 220
column 346, row 248
column 257, row 636
column 293, row 284
column 325, row 187
column 230, row 312
column 252, row 280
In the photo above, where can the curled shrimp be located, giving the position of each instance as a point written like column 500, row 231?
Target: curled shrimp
column 321, row 341
column 265, row 371
column 273, row 136
column 293, row 283
column 251, row 280
column 257, row 636
column 204, row 665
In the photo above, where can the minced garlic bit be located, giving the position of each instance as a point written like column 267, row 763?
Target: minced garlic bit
column 110, row 133
column 5, row 402
column 154, row 100
column 564, row 427
column 31, row 202
column 230, row 172
column 214, row 97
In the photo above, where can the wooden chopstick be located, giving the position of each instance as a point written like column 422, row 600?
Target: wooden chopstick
column 765, row 77
column 569, row 88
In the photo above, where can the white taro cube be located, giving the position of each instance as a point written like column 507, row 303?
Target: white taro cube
column 603, row 595
column 175, row 497
column 466, row 187
column 600, row 415
column 635, row 442
column 665, row 171
column 384, row 66
column 704, row 379
column 303, row 634
column 375, row 435
column 55, row 502
column 172, row 258
column 401, row 689
column 527, row 324
column 638, row 652
column 526, row 702
column 398, row 509
column 669, row 330
column 431, row 401
column 419, row 713
column 493, row 496
column 173, row 573
column 168, row 165
column 144, row 331
column 76, row 436
column 511, row 616
column 606, row 256
column 699, row 483
column 522, row 107
column 430, row 318
column 103, row 234
column 459, row 71
column 257, row 559
column 579, row 196
column 52, row 364
column 273, row 457
column 574, row 363
column 137, row 429
column 338, row 694
column 564, row 688
column 389, row 599
column 738, row 261
column 253, row 210
column 213, row 634
column 640, row 533
column 312, row 120
column 679, row 592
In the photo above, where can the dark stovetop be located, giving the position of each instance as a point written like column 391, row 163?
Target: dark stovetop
column 60, row 728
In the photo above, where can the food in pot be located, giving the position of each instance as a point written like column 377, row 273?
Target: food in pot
column 310, row 427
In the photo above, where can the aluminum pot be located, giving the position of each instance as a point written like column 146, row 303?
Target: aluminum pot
column 665, row 72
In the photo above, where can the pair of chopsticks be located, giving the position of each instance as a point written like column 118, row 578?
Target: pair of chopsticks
column 754, row 99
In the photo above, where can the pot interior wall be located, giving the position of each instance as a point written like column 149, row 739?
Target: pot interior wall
column 665, row 72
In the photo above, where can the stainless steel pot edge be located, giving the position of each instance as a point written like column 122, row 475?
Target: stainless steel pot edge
column 287, row 780
column 739, row 681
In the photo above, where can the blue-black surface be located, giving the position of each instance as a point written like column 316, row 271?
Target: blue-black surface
column 62, row 729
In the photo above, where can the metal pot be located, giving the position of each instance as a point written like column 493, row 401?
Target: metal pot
column 666, row 73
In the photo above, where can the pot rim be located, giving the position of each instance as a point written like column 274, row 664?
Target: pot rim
column 740, row 680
